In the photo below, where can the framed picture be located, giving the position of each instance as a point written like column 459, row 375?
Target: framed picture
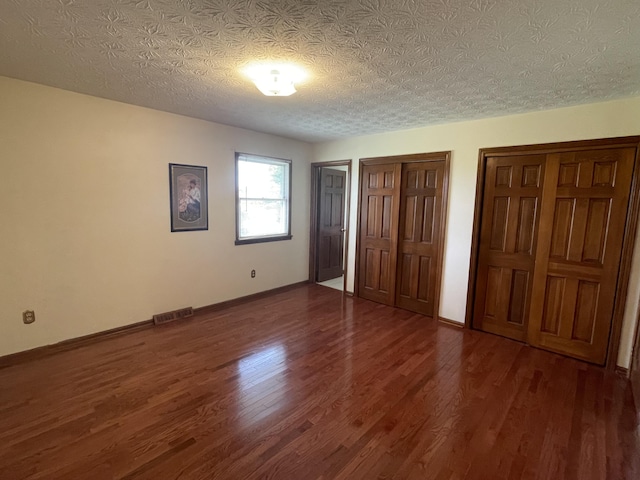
column 188, row 193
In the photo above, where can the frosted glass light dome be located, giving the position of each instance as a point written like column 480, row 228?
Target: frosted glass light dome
column 275, row 80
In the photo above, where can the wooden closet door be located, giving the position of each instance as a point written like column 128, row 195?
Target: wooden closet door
column 419, row 241
column 378, row 242
column 508, row 234
column 583, row 218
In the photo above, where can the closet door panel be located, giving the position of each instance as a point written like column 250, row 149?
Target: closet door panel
column 585, row 207
column 378, row 242
column 508, row 236
column 421, row 206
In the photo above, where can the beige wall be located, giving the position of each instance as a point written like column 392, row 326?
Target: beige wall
column 84, row 207
column 84, row 197
column 610, row 119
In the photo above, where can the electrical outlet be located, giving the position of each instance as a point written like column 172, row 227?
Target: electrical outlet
column 253, row 274
column 28, row 317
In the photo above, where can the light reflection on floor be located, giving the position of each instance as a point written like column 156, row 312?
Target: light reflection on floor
column 262, row 387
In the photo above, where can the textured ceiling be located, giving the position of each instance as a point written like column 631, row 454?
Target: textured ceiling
column 374, row 65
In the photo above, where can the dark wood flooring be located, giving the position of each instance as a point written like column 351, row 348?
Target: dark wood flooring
column 308, row 384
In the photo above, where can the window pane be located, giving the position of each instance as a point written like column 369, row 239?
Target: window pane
column 263, row 217
column 259, row 180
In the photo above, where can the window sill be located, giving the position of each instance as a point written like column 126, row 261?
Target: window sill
column 248, row 241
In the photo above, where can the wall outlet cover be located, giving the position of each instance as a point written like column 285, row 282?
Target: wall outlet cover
column 28, row 316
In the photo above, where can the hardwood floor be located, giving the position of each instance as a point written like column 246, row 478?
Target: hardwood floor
column 309, row 384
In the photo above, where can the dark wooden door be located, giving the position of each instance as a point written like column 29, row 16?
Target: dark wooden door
column 331, row 224
column 582, row 220
column 508, row 234
column 421, row 210
column 378, row 235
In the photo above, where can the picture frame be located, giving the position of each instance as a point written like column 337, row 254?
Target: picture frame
column 188, row 192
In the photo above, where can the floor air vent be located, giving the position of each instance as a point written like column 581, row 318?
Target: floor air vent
column 171, row 316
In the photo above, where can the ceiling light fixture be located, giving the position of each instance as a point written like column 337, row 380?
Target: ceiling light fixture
column 275, row 80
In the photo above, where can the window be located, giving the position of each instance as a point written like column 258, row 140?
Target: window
column 263, row 199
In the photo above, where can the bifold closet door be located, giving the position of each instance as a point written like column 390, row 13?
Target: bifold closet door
column 510, row 219
column 550, row 246
column 421, row 221
column 378, row 236
column 583, row 215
